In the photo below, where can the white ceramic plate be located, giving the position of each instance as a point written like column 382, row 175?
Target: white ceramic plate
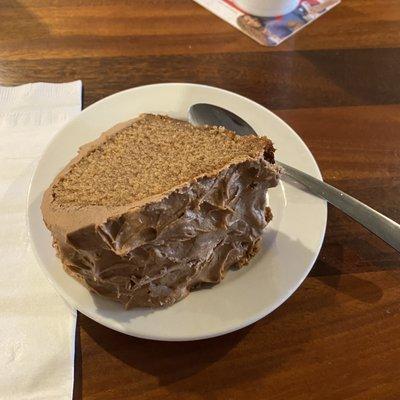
column 290, row 245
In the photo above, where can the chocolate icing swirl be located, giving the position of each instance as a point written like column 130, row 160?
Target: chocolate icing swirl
column 155, row 254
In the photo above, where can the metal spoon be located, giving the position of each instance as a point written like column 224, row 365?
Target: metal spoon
column 383, row 227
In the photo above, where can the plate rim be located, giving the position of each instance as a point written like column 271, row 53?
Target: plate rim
column 103, row 321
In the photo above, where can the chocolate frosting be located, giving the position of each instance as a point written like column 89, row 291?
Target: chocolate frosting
column 153, row 254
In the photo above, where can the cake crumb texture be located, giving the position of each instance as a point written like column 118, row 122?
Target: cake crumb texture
column 149, row 157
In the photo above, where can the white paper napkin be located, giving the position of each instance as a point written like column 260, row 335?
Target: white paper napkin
column 37, row 328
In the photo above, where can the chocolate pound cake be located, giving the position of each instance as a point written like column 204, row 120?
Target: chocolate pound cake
column 156, row 206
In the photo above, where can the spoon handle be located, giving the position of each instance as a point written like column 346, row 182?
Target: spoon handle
column 383, row 227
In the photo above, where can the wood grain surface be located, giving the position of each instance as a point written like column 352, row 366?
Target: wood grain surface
column 337, row 84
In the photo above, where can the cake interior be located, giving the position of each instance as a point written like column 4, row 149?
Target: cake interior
column 149, row 157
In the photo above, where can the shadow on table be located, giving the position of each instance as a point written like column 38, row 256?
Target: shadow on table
column 357, row 76
column 77, row 391
column 353, row 286
column 170, row 362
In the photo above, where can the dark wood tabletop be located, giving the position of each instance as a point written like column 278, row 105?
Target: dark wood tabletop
column 337, row 83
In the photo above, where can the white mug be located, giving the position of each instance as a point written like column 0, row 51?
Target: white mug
column 267, row 8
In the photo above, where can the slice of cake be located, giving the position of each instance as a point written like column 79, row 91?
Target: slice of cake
column 156, row 206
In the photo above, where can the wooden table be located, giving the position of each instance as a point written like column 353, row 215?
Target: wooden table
column 337, row 83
